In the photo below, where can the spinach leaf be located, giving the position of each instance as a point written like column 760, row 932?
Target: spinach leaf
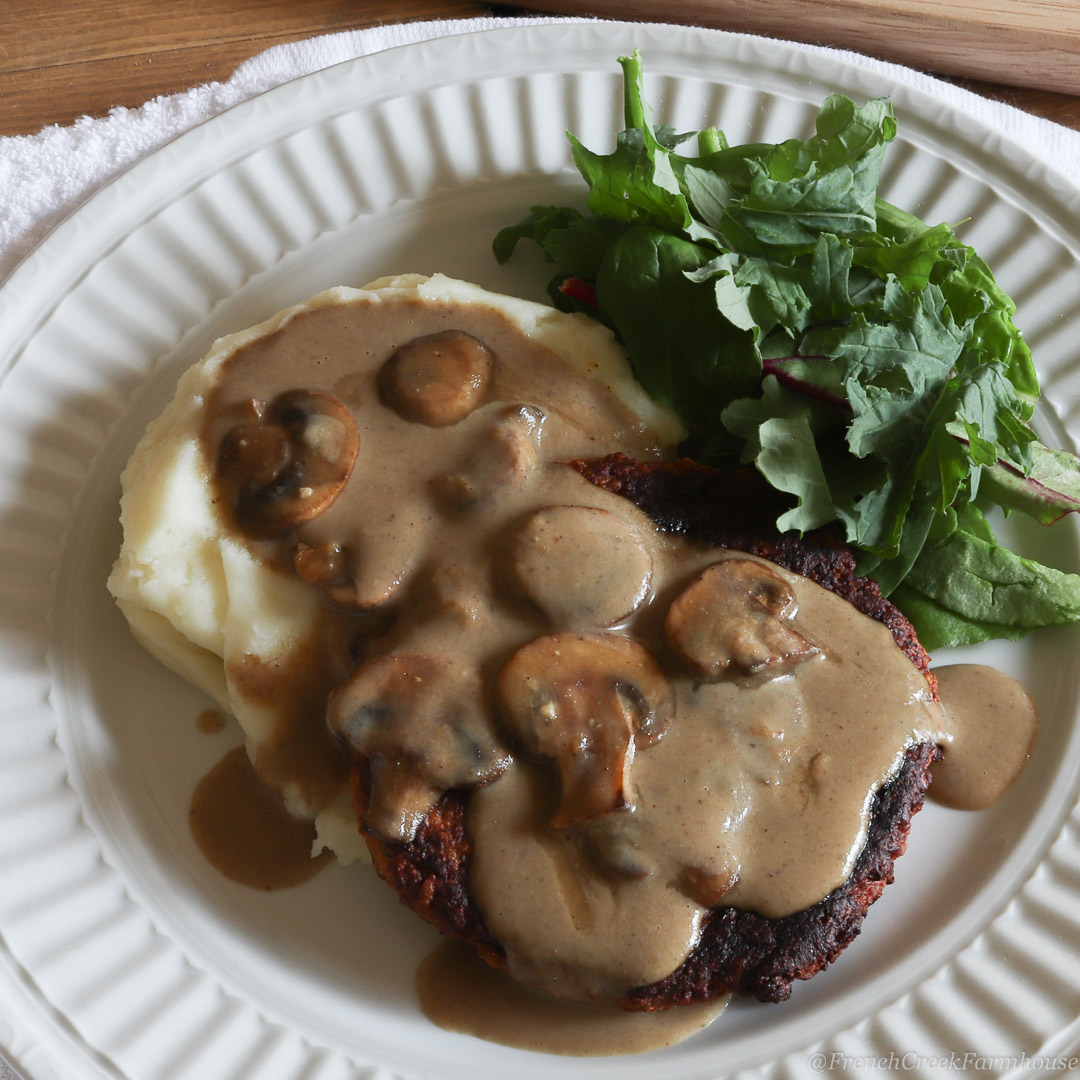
column 986, row 583
column 682, row 359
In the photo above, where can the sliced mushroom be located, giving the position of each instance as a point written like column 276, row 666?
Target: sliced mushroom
column 437, row 379
column 333, row 568
column 613, row 849
column 327, row 568
column 584, row 568
column 586, row 703
column 420, row 720
column 503, row 457
column 288, row 463
column 736, row 615
column 706, row 887
column 452, row 591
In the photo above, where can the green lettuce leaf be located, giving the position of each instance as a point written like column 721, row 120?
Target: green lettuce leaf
column 866, row 362
column 975, row 577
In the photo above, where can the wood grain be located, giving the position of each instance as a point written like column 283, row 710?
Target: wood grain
column 1031, row 43
column 62, row 59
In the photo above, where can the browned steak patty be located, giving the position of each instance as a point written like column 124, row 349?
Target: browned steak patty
column 738, row 951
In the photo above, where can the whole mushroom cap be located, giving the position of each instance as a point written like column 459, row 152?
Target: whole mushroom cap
column 583, row 567
column 436, row 379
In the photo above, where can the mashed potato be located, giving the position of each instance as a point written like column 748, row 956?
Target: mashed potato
column 195, row 594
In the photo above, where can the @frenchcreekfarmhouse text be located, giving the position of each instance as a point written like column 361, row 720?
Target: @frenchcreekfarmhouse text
column 958, row 1061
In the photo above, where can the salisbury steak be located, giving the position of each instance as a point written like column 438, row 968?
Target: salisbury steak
column 738, row 951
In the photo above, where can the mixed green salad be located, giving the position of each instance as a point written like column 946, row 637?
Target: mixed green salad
column 865, row 363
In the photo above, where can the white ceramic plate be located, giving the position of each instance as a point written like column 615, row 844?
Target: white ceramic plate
column 122, row 954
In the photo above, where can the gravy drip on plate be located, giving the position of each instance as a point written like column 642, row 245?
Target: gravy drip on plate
column 245, row 832
column 990, row 726
column 211, row 721
column 462, row 993
column 647, row 727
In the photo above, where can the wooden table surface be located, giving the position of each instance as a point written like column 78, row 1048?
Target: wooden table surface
column 62, row 59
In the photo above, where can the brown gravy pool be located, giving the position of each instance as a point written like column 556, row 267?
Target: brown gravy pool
column 427, row 544
column 990, row 728
column 211, row 721
column 244, row 831
column 460, row 992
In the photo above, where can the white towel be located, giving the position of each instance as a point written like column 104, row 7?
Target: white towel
column 44, row 177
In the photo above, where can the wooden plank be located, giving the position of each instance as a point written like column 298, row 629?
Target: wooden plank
column 33, row 29
column 62, row 61
column 1034, row 43
column 60, row 94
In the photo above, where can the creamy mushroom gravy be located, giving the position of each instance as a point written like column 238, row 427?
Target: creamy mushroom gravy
column 989, row 733
column 649, row 727
column 246, row 833
column 211, row 721
column 460, row 992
